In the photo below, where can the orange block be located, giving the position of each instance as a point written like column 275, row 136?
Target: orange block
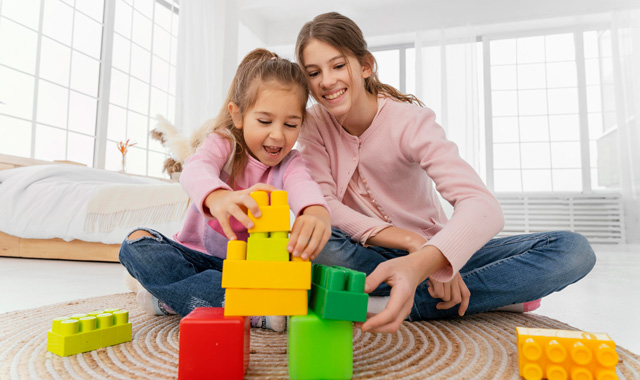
column 564, row 354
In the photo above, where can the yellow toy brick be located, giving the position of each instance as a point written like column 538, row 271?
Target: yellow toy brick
column 87, row 332
column 242, row 302
column 236, row 250
column 564, row 354
column 266, row 274
column 275, row 216
column 267, row 249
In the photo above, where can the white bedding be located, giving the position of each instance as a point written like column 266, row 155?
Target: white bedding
column 74, row 202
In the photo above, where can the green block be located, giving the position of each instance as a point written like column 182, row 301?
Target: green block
column 338, row 293
column 87, row 332
column 319, row 348
column 274, row 248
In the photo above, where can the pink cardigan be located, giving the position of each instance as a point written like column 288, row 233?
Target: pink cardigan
column 400, row 157
column 204, row 172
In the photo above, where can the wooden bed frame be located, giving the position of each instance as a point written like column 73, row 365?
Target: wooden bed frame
column 12, row 246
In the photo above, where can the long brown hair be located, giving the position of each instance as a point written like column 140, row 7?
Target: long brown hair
column 259, row 68
column 343, row 34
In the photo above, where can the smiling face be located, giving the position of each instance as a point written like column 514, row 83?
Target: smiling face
column 336, row 82
column 271, row 126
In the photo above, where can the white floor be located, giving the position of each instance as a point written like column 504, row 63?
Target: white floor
column 607, row 300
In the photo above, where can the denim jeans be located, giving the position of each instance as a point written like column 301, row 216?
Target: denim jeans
column 181, row 277
column 505, row 271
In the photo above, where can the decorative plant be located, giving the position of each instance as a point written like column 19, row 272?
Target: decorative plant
column 124, row 148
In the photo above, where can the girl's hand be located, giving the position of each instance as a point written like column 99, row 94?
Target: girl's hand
column 223, row 204
column 452, row 293
column 403, row 274
column 311, row 231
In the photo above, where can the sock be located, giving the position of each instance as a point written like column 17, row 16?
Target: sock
column 521, row 307
column 151, row 305
column 277, row 323
column 377, row 304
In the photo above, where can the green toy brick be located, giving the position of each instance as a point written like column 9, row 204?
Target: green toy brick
column 87, row 332
column 338, row 293
column 319, row 348
column 272, row 248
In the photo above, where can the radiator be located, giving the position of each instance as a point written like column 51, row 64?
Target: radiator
column 598, row 217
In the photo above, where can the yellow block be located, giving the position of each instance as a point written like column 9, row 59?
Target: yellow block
column 266, row 274
column 565, row 354
column 267, row 249
column 274, row 217
column 244, row 302
column 236, row 250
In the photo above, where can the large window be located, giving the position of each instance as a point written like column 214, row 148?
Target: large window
column 553, row 113
column 142, row 83
column 55, row 58
column 552, row 116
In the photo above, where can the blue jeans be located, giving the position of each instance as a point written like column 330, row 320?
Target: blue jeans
column 505, row 271
column 181, row 277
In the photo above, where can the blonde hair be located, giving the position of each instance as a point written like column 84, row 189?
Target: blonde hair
column 259, row 68
column 343, row 34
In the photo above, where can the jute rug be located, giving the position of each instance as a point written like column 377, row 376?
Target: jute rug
column 475, row 347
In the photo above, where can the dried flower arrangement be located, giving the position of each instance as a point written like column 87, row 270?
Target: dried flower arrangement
column 123, row 147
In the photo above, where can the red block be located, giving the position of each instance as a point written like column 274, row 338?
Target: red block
column 213, row 346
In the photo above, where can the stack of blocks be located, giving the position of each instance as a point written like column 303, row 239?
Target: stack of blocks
column 261, row 278
column 564, row 354
column 258, row 275
column 87, row 332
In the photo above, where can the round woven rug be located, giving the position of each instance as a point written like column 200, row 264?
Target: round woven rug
column 475, row 347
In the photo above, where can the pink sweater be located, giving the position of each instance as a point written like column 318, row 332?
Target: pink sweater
column 203, row 173
column 400, row 157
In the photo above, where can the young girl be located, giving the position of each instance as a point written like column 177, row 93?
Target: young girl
column 377, row 155
column 249, row 149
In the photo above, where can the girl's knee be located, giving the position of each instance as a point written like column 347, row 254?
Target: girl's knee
column 579, row 251
column 143, row 234
column 138, row 234
column 132, row 251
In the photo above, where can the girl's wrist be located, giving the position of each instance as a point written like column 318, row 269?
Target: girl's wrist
column 430, row 259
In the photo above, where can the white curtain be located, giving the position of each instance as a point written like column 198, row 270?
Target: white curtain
column 207, row 55
column 447, row 66
column 626, row 57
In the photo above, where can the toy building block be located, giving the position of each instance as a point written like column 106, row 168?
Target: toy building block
column 275, row 216
column 338, row 293
column 87, row 332
column 265, row 301
column 213, row 346
column 267, row 248
column 319, row 348
column 565, row 354
column 270, row 235
column 266, row 274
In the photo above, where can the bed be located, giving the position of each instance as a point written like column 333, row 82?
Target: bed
column 63, row 210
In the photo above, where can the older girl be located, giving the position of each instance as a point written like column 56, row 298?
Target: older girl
column 380, row 157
